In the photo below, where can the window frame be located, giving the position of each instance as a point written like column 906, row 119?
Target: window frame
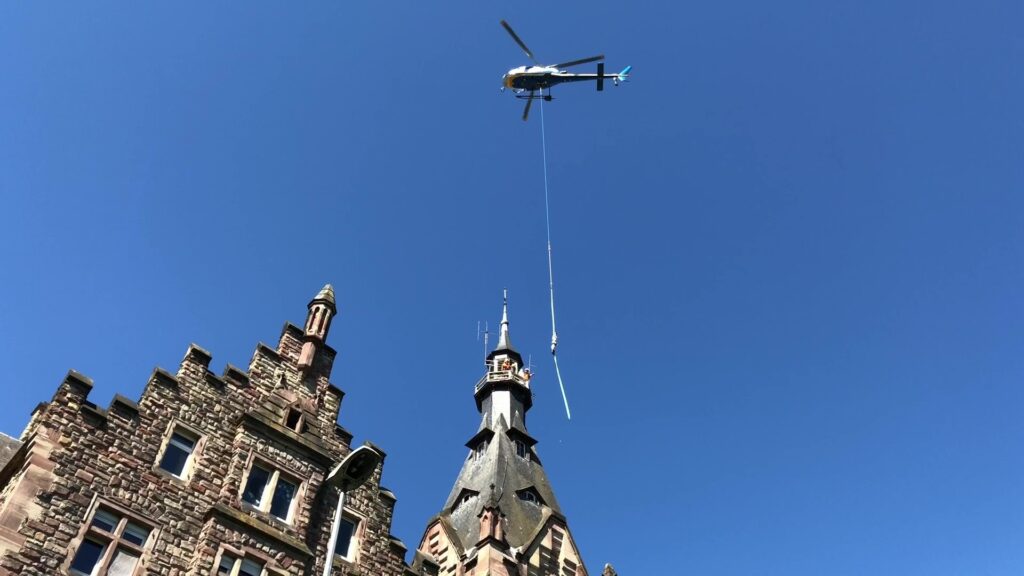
column 189, row 467
column 355, row 542
column 112, row 541
column 266, row 499
column 530, row 495
column 522, row 449
column 238, row 558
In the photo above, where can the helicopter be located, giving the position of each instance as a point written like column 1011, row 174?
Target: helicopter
column 527, row 81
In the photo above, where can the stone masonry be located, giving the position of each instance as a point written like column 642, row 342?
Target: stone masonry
column 90, row 486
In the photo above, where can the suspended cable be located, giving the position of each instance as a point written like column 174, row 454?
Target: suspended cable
column 558, row 373
column 551, row 274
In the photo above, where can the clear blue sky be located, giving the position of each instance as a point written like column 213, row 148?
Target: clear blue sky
column 788, row 253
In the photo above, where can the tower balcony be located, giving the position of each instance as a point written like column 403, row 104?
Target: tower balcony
column 520, row 377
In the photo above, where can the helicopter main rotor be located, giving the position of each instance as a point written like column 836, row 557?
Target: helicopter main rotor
column 529, row 53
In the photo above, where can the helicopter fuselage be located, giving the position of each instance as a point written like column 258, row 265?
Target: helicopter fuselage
column 531, row 78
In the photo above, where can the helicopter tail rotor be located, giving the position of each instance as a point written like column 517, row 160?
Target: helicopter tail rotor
column 623, row 76
column 600, row 76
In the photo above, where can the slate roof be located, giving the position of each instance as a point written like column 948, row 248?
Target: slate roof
column 496, row 479
column 8, row 446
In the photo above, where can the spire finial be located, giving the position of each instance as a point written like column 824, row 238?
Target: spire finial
column 326, row 294
column 504, row 342
column 504, row 306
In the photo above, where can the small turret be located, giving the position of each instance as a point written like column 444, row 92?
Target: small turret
column 507, row 378
column 321, row 311
column 318, row 323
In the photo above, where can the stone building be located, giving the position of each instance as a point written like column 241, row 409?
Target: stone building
column 501, row 517
column 226, row 475
column 204, row 475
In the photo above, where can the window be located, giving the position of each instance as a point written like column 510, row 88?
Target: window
column 281, row 504
column 529, row 495
column 347, row 543
column 233, row 566
column 256, row 486
column 178, row 452
column 269, row 491
column 87, row 557
column 294, row 420
column 464, row 498
column 112, row 545
column 481, row 449
column 521, row 450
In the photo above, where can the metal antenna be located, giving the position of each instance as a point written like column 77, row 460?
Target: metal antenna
column 487, row 335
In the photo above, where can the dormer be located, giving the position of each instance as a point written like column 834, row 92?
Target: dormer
column 530, row 495
column 464, row 498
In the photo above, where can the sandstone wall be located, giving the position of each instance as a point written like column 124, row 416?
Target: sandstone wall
column 78, row 456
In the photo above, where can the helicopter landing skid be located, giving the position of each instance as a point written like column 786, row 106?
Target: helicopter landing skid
column 545, row 97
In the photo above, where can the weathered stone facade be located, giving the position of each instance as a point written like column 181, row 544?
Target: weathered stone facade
column 205, row 474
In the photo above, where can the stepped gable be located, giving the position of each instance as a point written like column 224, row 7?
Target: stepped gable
column 205, row 474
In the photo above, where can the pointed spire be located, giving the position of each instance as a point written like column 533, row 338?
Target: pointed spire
column 504, row 342
column 326, row 294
